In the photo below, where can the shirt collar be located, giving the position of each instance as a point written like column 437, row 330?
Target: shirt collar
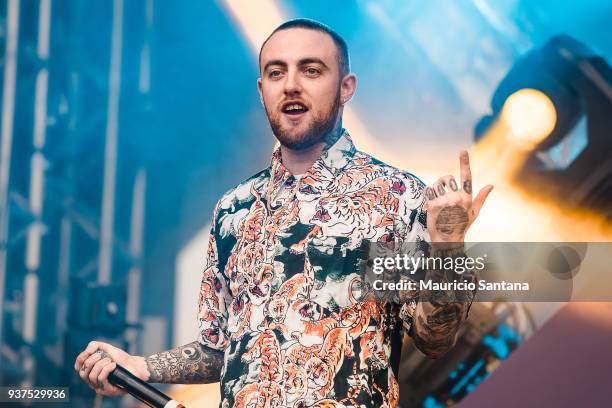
column 335, row 157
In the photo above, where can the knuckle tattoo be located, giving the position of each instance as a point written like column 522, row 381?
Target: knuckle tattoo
column 467, row 186
column 430, row 193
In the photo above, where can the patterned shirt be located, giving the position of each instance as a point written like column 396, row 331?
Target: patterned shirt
column 278, row 292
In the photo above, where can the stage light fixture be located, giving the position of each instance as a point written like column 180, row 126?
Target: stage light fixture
column 555, row 104
column 530, row 116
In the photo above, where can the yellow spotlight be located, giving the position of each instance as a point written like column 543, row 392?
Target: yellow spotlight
column 530, row 116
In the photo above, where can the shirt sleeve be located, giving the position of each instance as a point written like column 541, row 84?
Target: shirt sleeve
column 412, row 235
column 214, row 297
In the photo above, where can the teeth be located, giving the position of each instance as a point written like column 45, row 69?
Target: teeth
column 294, row 107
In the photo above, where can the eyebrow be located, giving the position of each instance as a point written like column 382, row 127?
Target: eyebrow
column 274, row 62
column 302, row 62
column 306, row 61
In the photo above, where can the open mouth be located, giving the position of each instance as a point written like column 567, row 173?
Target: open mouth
column 387, row 239
column 238, row 305
column 217, row 284
column 322, row 215
column 212, row 335
column 307, row 189
column 258, row 292
column 306, row 312
column 294, row 108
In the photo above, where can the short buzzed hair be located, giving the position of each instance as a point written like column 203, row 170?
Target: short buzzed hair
column 343, row 54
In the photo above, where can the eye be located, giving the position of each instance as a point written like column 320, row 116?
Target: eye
column 276, row 73
column 311, row 71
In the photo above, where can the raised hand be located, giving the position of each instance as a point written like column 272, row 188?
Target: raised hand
column 450, row 207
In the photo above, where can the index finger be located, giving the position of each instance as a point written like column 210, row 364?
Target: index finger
column 91, row 348
column 84, row 355
column 79, row 360
column 466, row 173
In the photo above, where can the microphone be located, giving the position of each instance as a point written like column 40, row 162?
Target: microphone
column 122, row 378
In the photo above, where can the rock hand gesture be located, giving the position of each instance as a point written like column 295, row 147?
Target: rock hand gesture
column 450, row 207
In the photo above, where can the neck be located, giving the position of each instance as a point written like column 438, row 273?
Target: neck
column 299, row 161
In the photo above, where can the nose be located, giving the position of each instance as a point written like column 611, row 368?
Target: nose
column 292, row 83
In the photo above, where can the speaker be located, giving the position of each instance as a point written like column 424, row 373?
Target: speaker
column 98, row 308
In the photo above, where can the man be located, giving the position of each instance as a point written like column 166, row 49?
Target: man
column 280, row 321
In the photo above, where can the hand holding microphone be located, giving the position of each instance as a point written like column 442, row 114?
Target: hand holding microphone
column 111, row 371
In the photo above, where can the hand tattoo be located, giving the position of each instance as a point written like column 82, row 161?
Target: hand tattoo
column 430, row 193
column 452, row 220
column 192, row 363
column 441, row 190
column 453, row 184
column 467, row 186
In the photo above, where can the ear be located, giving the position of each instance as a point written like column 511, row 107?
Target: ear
column 260, row 91
column 348, row 86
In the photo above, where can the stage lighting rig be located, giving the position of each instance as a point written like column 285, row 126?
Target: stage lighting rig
column 555, row 105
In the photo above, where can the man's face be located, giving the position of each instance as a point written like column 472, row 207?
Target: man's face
column 300, row 86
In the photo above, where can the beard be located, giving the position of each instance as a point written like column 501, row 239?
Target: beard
column 317, row 130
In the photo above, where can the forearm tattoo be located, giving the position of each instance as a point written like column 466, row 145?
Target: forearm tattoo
column 440, row 313
column 436, row 326
column 452, row 220
column 188, row 364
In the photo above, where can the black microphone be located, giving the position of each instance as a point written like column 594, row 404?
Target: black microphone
column 122, row 378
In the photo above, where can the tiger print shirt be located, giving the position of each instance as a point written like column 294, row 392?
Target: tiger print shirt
column 277, row 294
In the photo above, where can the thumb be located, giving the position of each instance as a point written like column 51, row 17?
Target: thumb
column 480, row 198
